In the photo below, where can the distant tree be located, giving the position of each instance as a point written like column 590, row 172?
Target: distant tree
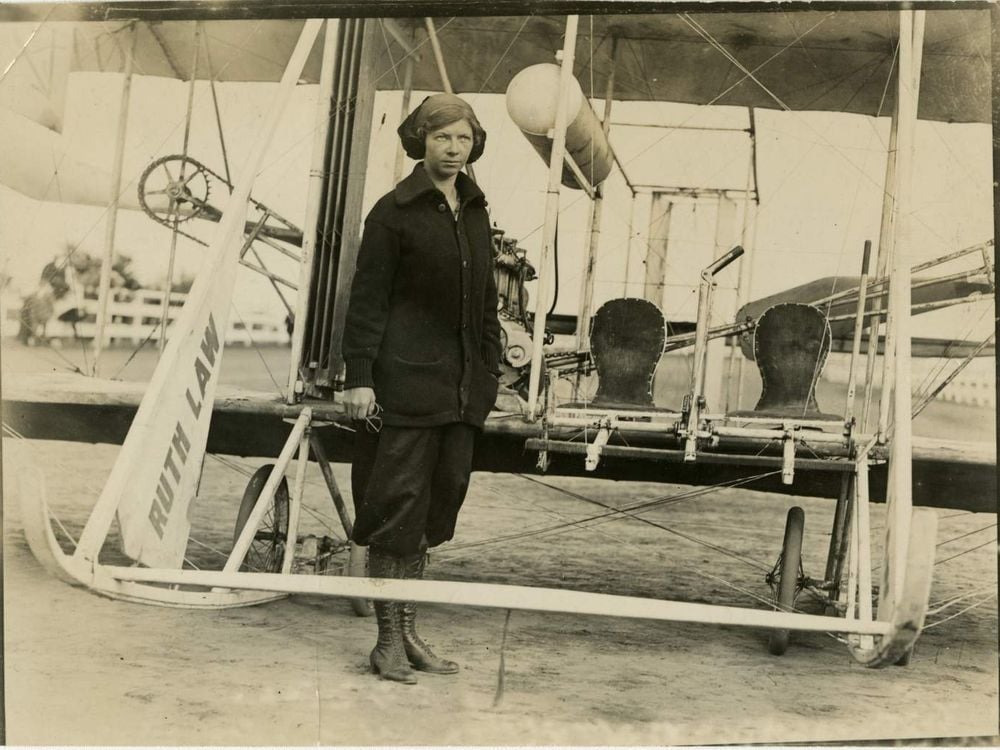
column 87, row 269
column 183, row 284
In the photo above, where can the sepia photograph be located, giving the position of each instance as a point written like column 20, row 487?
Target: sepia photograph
column 568, row 373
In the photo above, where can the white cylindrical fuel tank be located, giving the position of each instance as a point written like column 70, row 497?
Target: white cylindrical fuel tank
column 532, row 97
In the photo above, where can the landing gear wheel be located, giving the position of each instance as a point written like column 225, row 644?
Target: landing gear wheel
column 785, row 577
column 357, row 565
column 267, row 550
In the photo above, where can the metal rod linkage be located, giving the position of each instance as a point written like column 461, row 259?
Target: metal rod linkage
column 858, row 326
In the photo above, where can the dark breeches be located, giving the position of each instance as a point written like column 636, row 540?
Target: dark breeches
column 409, row 484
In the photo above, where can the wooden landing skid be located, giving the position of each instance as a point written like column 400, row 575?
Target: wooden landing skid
column 30, row 488
column 908, row 614
column 890, row 637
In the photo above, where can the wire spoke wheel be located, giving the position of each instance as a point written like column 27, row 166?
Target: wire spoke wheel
column 785, row 577
column 267, row 550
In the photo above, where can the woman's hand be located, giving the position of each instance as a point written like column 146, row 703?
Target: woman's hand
column 359, row 402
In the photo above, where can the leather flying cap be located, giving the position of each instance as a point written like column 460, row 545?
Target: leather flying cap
column 435, row 112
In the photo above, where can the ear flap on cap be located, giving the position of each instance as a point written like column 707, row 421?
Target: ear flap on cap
column 477, row 149
column 413, row 145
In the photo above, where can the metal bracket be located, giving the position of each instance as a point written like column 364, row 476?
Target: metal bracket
column 788, row 456
column 594, row 449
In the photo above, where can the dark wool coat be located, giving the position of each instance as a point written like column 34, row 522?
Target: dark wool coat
column 422, row 327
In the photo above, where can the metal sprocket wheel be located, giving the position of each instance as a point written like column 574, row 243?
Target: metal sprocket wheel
column 185, row 183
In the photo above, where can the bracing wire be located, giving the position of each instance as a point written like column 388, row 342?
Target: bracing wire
column 974, row 605
column 139, row 348
column 258, row 351
column 927, row 391
column 966, row 551
column 944, row 604
column 630, row 511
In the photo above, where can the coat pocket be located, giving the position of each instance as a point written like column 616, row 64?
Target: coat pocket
column 416, row 389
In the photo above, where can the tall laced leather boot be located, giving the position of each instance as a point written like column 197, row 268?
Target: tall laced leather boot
column 418, row 652
column 388, row 658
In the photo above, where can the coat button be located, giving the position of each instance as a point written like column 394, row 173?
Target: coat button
column 465, row 264
column 441, row 207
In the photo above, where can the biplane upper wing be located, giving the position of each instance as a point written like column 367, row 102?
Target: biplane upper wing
column 823, row 60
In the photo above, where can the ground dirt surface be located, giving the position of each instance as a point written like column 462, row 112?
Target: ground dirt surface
column 82, row 669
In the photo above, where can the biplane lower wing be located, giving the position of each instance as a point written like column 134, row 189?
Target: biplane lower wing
column 946, row 474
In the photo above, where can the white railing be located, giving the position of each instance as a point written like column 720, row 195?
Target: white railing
column 134, row 316
column 975, row 385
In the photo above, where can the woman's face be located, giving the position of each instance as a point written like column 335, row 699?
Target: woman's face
column 447, row 149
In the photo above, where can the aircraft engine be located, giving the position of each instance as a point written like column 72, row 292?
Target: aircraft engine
column 511, row 270
column 531, row 102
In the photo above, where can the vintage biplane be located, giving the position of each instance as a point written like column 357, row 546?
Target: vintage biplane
column 905, row 65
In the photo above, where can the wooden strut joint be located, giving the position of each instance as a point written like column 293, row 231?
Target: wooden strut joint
column 988, row 267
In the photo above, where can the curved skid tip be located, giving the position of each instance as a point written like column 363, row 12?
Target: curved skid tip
column 32, row 499
column 908, row 617
column 29, row 485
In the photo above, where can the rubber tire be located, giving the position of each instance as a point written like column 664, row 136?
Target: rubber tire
column 357, row 565
column 788, row 574
column 280, row 510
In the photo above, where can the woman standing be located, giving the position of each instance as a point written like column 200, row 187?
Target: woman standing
column 422, row 351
